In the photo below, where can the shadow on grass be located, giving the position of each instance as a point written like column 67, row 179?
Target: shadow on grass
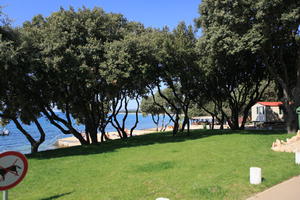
column 56, row 196
column 149, row 139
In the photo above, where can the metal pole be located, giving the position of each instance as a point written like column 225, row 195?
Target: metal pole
column 298, row 112
column 298, row 121
column 5, row 195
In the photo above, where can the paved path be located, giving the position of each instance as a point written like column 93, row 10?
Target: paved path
column 287, row 190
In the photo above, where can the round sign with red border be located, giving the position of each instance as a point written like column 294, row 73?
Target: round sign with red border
column 13, row 168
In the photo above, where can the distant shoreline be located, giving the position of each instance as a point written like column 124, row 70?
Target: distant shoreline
column 17, row 142
column 73, row 141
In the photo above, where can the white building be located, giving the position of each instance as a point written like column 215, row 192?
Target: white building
column 267, row 112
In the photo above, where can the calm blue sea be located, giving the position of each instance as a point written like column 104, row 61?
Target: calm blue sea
column 16, row 141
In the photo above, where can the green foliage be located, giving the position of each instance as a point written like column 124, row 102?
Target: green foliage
column 5, row 22
column 88, row 63
column 249, row 41
column 231, row 57
column 19, row 96
column 195, row 111
column 128, row 63
column 175, row 69
column 158, row 107
column 278, row 24
column 80, row 71
column 149, row 107
column 271, row 93
column 177, row 58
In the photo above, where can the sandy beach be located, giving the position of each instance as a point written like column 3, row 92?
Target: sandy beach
column 72, row 141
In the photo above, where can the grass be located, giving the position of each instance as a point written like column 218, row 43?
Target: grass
column 205, row 165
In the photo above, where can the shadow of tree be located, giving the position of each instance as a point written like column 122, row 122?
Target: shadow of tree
column 56, row 196
column 149, row 139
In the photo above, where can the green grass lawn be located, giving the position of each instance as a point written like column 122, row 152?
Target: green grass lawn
column 205, row 165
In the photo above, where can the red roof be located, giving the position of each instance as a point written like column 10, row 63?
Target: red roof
column 278, row 103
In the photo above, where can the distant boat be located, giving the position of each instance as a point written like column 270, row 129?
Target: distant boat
column 4, row 132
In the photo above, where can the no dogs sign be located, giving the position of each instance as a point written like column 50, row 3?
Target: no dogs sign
column 13, row 168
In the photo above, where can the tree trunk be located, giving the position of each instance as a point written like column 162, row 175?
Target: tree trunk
column 93, row 134
column 292, row 125
column 136, row 116
column 177, row 110
column 156, row 122
column 94, row 138
column 34, row 144
column 222, row 122
column 176, row 125
column 188, row 125
column 290, row 90
column 34, row 148
column 91, row 129
column 291, row 118
column 234, row 121
column 245, row 117
column 186, row 121
column 103, row 134
column 115, row 123
column 212, row 123
column 54, row 119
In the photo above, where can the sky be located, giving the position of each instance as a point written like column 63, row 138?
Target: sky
column 152, row 13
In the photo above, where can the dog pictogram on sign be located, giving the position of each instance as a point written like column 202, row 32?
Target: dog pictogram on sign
column 13, row 168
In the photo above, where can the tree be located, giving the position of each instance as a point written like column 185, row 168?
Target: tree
column 157, row 112
column 72, row 47
column 216, row 113
column 127, row 69
column 176, row 68
column 270, row 31
column 17, row 63
column 4, row 23
column 149, row 60
column 277, row 28
column 233, row 66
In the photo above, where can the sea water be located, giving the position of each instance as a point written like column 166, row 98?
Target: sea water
column 16, row 141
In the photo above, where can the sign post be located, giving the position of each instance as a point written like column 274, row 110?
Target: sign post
column 13, row 168
column 5, row 195
column 298, row 113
